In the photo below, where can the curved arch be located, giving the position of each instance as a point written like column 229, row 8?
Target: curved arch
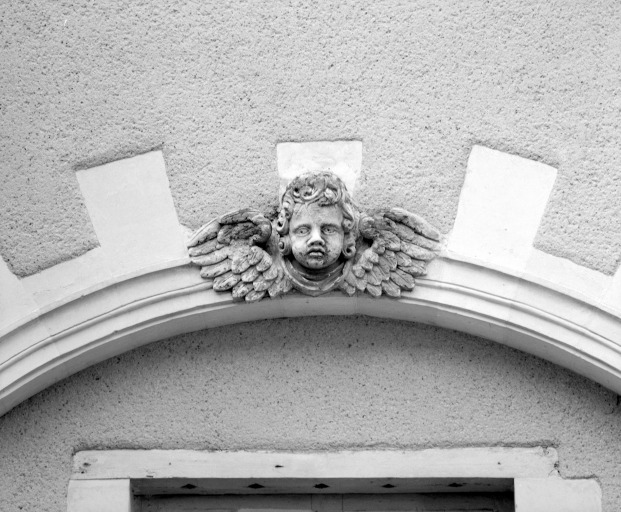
column 157, row 303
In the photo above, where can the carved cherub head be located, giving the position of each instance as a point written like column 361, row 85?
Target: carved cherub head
column 324, row 243
column 316, row 222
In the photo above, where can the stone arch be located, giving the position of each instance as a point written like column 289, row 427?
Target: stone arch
column 126, row 313
column 139, row 287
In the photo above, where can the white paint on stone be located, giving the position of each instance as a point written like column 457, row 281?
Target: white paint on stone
column 343, row 158
column 69, row 277
column 501, row 205
column 134, row 217
column 15, row 301
column 571, row 276
column 99, row 496
column 612, row 295
column 132, row 211
column 557, row 495
column 474, row 462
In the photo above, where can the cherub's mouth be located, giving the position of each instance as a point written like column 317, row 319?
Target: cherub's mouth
column 316, row 253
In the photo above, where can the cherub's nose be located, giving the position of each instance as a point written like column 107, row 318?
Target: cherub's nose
column 315, row 237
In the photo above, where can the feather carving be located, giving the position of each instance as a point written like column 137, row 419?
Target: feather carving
column 396, row 247
column 233, row 251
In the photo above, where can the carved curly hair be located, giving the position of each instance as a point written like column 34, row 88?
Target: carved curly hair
column 325, row 189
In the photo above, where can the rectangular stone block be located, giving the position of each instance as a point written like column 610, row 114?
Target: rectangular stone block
column 501, row 204
column 100, row 496
column 132, row 211
column 557, row 495
column 342, row 157
column 15, row 301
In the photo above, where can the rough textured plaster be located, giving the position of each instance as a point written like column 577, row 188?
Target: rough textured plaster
column 310, row 384
column 218, row 84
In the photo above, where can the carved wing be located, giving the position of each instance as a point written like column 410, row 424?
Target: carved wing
column 396, row 247
column 233, row 250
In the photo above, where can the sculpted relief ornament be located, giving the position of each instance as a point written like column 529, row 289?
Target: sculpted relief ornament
column 320, row 242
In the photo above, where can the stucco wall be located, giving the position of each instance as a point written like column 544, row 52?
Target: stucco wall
column 310, row 384
column 217, row 84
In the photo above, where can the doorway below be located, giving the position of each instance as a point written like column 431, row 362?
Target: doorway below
column 423, row 502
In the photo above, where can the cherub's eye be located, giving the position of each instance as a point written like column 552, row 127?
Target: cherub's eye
column 301, row 231
column 329, row 230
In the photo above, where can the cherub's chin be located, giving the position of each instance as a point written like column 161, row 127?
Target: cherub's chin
column 315, row 262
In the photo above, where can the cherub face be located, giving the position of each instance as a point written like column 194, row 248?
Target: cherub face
column 316, row 235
